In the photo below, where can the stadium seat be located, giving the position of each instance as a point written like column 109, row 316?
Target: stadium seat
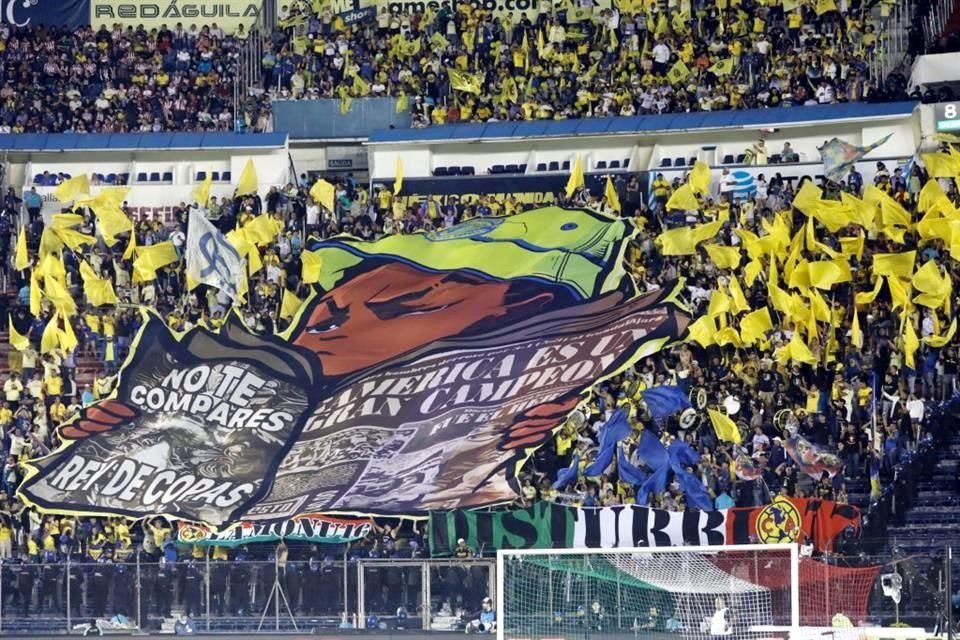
column 141, row 177
column 666, row 162
column 741, row 158
column 522, row 168
column 626, row 163
column 155, row 176
column 776, row 158
column 728, row 159
column 168, row 176
column 440, row 171
column 467, row 171
column 691, row 162
column 98, row 177
column 453, row 171
column 601, row 164
column 614, row 164
column 123, row 178
column 497, row 168
column 565, row 166
column 225, row 176
column 541, row 166
column 215, row 176
column 554, row 166
column 38, row 179
column 111, row 178
column 201, row 176
column 513, row 168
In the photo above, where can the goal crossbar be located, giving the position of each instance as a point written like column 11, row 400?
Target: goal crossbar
column 621, row 559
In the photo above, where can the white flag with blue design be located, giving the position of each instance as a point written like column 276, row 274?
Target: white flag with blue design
column 211, row 259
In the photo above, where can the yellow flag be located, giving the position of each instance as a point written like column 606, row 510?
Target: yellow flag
column 940, row 165
column 931, row 193
column 703, row 331
column 869, row 296
column 678, row 72
column 894, row 264
column 201, row 192
column 312, row 264
column 700, row 178
column 722, row 68
column 729, row 336
column 929, row 279
column 35, row 294
column 72, row 188
column 467, row 82
column 910, row 343
column 60, row 297
column 50, row 339
column 738, row 301
column 719, row 304
column 863, row 212
column 807, row 198
column 677, row 242
column 17, row 340
column 937, row 342
column 323, row 193
column 131, row 246
column 799, row 351
column 99, row 291
column 111, row 220
column 153, row 257
column 403, row 103
column 262, row 229
column 398, row 182
column 754, row 325
column 610, row 193
column 290, row 304
column 725, row 428
column 856, row 336
column 825, row 6
column 833, row 214
column 684, row 199
column 891, row 211
column 852, row 246
column 248, row 179
column 899, row 294
column 751, row 271
column 67, row 337
column 21, row 260
column 723, row 257
column 576, row 180
column 824, row 274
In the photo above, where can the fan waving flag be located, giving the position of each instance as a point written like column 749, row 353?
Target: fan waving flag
column 839, row 157
column 211, row 259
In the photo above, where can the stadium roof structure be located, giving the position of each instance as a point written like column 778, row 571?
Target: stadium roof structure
column 49, row 142
column 664, row 123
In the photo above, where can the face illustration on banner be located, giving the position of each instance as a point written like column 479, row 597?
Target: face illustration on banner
column 396, row 308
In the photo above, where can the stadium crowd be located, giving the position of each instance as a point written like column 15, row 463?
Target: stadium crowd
column 831, row 400
column 55, row 80
column 460, row 64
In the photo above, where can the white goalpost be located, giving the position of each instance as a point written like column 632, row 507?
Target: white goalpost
column 693, row 592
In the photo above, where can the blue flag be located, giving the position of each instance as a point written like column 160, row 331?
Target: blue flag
column 613, row 431
column 682, row 455
column 663, row 461
column 629, row 472
column 569, row 474
column 665, row 400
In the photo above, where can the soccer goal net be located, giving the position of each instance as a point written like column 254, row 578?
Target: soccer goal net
column 697, row 592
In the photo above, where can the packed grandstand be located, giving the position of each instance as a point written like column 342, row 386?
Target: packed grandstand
column 769, row 317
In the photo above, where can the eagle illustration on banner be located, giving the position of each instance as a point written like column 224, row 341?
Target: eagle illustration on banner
column 422, row 377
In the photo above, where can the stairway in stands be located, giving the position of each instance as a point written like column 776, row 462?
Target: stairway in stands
column 934, row 521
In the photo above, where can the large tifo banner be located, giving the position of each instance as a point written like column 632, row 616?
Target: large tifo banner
column 547, row 525
column 305, row 528
column 50, row 13
column 422, row 379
